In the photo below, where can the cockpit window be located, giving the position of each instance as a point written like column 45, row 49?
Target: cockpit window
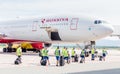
column 98, row 22
column 95, row 22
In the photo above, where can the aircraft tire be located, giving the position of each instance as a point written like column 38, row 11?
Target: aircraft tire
column 4, row 50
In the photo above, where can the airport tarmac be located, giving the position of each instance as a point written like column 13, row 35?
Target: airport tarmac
column 31, row 65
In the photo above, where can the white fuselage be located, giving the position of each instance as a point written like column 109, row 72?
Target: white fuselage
column 56, row 28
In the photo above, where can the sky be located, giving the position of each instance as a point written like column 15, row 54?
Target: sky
column 105, row 9
column 108, row 10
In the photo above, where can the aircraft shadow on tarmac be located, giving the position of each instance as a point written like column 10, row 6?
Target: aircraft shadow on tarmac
column 109, row 71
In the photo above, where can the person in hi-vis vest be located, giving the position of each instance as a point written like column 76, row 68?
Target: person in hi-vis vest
column 57, row 54
column 19, row 52
column 73, row 54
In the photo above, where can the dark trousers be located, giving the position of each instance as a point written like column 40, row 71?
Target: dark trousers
column 19, row 57
column 93, row 56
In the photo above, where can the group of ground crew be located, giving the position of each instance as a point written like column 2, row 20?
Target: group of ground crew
column 64, row 53
column 57, row 53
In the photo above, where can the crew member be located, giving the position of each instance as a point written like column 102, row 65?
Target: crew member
column 19, row 53
column 73, row 54
column 93, row 54
column 57, row 54
column 66, row 55
column 104, row 52
column 83, row 55
column 45, row 55
column 63, row 51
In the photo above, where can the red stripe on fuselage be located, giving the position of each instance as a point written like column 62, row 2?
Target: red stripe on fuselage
column 13, row 40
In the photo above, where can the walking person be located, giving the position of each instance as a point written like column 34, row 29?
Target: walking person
column 66, row 55
column 93, row 54
column 57, row 54
column 73, row 54
column 82, row 56
column 45, row 55
column 19, row 53
column 104, row 52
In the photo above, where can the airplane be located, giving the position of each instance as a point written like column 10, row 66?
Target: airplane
column 45, row 30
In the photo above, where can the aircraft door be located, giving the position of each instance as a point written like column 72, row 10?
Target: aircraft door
column 34, row 25
column 74, row 23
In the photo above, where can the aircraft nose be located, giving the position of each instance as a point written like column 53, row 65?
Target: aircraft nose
column 104, row 30
column 109, row 28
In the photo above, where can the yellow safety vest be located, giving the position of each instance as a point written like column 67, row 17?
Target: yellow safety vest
column 45, row 52
column 93, row 51
column 82, row 52
column 57, row 52
column 104, row 51
column 19, row 51
column 73, row 52
column 42, row 52
column 65, row 53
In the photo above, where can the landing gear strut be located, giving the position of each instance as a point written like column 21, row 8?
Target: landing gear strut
column 88, row 46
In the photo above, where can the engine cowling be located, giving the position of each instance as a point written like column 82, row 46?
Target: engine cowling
column 38, row 45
